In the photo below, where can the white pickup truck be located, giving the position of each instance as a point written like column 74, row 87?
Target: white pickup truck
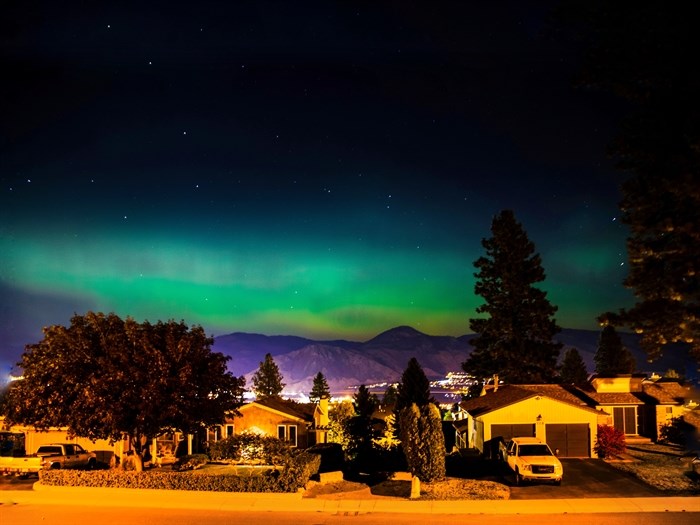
column 49, row 456
column 531, row 459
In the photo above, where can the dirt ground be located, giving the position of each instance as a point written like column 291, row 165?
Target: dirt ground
column 450, row 488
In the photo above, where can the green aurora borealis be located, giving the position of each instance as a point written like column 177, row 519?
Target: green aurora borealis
column 325, row 172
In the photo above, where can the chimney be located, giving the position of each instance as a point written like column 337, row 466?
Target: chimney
column 323, row 412
column 495, row 382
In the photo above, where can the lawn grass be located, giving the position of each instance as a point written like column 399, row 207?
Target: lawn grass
column 661, row 466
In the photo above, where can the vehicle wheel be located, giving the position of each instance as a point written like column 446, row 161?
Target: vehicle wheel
column 55, row 466
column 518, row 477
column 558, row 482
column 91, row 464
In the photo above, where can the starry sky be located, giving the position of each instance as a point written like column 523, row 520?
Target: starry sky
column 325, row 170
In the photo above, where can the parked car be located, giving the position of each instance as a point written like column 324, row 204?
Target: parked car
column 49, row 456
column 531, row 459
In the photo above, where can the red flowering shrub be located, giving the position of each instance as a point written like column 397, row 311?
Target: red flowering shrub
column 610, row 442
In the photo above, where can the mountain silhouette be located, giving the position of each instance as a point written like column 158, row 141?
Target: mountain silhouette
column 384, row 357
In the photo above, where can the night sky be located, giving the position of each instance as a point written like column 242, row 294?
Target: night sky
column 325, row 170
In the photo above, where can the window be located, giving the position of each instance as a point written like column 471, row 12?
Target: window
column 287, row 433
column 229, row 430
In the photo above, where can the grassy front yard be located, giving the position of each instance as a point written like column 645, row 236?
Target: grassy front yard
column 661, row 466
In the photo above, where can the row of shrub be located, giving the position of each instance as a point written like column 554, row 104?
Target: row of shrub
column 292, row 475
column 250, row 449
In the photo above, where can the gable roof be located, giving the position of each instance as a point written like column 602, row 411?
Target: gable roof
column 507, row 395
column 303, row 411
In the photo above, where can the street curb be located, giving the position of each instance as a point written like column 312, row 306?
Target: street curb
column 294, row 502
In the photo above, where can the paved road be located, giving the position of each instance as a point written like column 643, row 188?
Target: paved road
column 70, row 515
column 585, row 478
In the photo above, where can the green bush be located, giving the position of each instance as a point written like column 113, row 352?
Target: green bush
column 610, row 442
column 675, row 431
column 293, row 474
column 423, row 442
column 250, row 449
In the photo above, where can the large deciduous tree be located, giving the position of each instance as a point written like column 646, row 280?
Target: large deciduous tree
column 105, row 378
column 612, row 357
column 515, row 339
column 644, row 53
column 267, row 380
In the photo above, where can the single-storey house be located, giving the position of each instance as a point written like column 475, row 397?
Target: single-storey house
column 300, row 424
column 549, row 412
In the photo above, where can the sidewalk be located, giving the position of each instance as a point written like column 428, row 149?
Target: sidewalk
column 228, row 501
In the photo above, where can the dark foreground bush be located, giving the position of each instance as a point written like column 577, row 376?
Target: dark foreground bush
column 331, row 454
column 293, row 475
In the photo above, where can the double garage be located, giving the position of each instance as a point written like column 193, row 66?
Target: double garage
column 568, row 427
column 572, row 440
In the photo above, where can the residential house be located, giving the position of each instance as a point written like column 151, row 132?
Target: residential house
column 300, row 424
column 666, row 400
column 549, row 412
column 639, row 408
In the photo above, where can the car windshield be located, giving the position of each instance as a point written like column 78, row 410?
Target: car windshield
column 535, row 450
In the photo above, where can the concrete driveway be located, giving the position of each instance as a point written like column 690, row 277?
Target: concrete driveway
column 584, row 478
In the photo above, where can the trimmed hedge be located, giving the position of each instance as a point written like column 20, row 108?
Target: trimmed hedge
column 292, row 476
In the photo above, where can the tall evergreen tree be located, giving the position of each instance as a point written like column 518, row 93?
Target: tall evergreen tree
column 390, row 396
column 573, row 369
column 612, row 357
column 319, row 388
column 365, row 402
column 515, row 340
column 643, row 52
column 414, row 386
column 267, row 380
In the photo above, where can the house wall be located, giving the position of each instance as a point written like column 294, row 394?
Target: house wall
column 258, row 420
column 664, row 415
column 527, row 412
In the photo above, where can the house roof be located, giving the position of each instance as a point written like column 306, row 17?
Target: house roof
column 304, row 411
column 667, row 393
column 509, row 394
column 613, row 398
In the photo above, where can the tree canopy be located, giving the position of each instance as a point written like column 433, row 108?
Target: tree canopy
column 612, row 357
column 515, row 339
column 644, row 53
column 319, row 388
column 103, row 377
column 267, row 380
column 414, row 386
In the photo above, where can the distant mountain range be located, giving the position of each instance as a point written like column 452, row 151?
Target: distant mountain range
column 384, row 358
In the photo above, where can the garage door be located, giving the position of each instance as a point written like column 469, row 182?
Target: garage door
column 572, row 440
column 510, row 431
